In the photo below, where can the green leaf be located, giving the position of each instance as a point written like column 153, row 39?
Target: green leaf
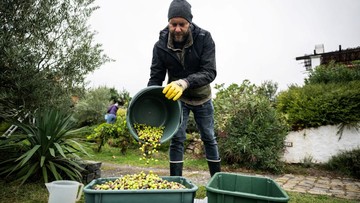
column 59, row 149
column 52, row 152
column 54, row 171
column 42, row 161
column 45, row 174
column 29, row 173
column 72, row 173
column 25, row 157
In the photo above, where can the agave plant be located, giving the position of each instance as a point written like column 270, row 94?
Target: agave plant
column 46, row 149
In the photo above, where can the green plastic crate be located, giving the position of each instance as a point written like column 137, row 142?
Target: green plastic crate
column 141, row 196
column 234, row 188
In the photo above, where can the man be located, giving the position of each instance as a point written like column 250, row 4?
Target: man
column 187, row 53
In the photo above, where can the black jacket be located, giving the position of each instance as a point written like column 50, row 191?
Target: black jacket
column 199, row 67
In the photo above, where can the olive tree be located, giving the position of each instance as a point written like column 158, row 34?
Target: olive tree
column 94, row 104
column 46, row 51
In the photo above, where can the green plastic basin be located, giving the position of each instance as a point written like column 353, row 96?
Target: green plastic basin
column 141, row 196
column 233, row 188
column 150, row 107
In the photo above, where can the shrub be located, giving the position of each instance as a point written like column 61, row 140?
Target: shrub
column 252, row 132
column 330, row 96
column 320, row 104
column 118, row 133
column 4, row 126
column 346, row 162
column 44, row 151
column 334, row 73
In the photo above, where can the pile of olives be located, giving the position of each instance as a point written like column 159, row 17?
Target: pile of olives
column 141, row 181
column 149, row 138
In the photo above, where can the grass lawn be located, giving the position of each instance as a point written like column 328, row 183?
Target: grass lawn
column 113, row 155
column 37, row 192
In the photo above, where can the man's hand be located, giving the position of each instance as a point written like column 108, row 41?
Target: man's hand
column 175, row 89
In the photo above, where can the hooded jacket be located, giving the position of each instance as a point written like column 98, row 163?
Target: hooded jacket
column 198, row 66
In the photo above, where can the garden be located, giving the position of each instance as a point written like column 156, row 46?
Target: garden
column 46, row 51
column 251, row 125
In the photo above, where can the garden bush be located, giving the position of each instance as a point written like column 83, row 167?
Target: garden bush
column 116, row 133
column 346, row 162
column 334, row 73
column 251, row 133
column 4, row 126
column 330, row 96
column 320, row 104
column 44, row 150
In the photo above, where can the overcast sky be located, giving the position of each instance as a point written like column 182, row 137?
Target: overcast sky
column 256, row 40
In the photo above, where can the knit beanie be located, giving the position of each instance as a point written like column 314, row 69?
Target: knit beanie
column 180, row 8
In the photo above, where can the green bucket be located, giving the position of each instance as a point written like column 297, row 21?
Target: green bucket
column 150, row 107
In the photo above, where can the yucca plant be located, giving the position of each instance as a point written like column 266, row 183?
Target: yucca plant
column 46, row 149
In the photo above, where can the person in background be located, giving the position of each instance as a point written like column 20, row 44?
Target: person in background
column 111, row 113
column 186, row 53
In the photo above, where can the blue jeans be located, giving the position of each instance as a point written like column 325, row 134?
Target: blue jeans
column 204, row 118
column 111, row 118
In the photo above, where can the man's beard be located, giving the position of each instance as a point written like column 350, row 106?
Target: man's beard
column 180, row 37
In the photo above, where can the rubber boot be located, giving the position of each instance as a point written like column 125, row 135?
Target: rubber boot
column 214, row 167
column 176, row 169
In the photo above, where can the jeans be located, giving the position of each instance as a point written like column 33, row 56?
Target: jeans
column 111, row 118
column 204, row 118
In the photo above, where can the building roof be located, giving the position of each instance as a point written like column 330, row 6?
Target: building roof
column 343, row 56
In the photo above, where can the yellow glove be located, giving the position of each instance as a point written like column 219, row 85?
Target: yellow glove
column 175, row 89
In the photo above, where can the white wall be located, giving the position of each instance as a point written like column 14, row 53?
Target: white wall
column 315, row 61
column 319, row 143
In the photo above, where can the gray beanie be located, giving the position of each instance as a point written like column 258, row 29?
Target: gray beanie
column 180, row 8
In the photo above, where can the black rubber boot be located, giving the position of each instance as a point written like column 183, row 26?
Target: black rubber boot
column 176, row 169
column 214, row 167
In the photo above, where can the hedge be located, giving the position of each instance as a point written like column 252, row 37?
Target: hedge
column 316, row 105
